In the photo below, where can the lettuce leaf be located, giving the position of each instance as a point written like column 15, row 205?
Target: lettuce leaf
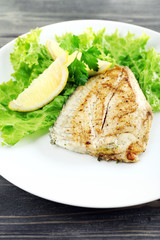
column 149, row 79
column 30, row 58
column 15, row 126
column 145, row 64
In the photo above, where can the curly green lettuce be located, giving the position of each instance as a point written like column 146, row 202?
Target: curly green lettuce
column 30, row 58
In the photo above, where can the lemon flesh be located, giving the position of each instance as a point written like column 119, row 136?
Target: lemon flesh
column 102, row 67
column 43, row 89
column 56, row 51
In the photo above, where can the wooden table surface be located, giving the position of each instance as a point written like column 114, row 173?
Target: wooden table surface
column 24, row 216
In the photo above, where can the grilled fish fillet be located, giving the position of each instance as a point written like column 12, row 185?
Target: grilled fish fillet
column 109, row 118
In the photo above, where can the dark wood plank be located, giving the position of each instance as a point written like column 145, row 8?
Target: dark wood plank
column 24, row 216
column 19, row 16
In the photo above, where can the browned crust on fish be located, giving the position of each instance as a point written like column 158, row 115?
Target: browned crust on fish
column 110, row 120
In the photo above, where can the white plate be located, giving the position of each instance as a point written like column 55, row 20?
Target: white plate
column 60, row 175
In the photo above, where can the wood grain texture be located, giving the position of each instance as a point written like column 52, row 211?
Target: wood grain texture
column 24, row 216
column 19, row 16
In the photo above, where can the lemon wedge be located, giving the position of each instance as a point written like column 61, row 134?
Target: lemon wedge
column 44, row 88
column 56, row 51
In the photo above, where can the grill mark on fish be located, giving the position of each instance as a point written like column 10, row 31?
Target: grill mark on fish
column 104, row 120
column 106, row 111
column 119, row 81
